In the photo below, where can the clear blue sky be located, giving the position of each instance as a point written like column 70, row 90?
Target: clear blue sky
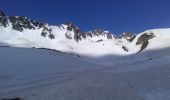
column 116, row 16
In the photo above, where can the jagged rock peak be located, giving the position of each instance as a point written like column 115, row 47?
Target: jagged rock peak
column 20, row 23
column 71, row 26
column 129, row 36
column 2, row 14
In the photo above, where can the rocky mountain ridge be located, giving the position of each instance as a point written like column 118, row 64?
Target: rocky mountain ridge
column 19, row 23
column 69, row 35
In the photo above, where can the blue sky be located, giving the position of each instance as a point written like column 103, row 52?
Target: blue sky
column 116, row 16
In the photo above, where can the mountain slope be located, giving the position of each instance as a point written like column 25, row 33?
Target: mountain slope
column 19, row 31
column 75, row 65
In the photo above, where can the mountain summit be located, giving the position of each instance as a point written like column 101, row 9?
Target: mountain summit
column 20, row 31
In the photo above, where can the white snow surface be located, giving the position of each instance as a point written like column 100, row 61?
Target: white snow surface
column 39, row 74
column 84, row 70
column 32, row 38
column 88, row 47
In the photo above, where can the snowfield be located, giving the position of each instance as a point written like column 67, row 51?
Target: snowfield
column 39, row 74
column 39, row 61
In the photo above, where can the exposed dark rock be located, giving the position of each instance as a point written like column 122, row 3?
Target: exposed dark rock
column 143, row 40
column 132, row 38
column 20, row 23
column 44, row 34
column 78, row 35
column 3, row 20
column 144, row 45
column 61, row 26
column 72, row 27
column 46, row 31
column 51, row 36
column 37, row 23
column 68, row 36
column 128, row 36
column 110, row 36
column 98, row 32
column 99, row 40
column 125, row 48
column 2, row 14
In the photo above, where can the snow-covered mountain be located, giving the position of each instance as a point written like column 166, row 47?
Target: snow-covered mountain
column 125, row 67
column 19, row 31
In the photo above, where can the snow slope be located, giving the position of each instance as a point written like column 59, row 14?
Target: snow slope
column 17, row 31
column 63, row 63
column 32, row 38
column 34, row 74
